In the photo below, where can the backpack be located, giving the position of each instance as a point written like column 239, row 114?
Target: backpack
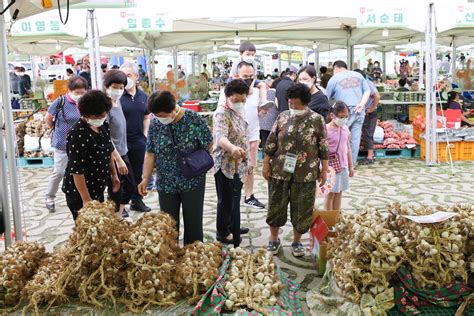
column 59, row 108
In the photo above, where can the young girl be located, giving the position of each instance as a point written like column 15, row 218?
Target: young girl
column 339, row 151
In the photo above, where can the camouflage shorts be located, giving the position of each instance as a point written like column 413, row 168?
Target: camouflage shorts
column 300, row 196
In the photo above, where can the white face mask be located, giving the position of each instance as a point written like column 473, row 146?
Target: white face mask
column 294, row 112
column 130, row 84
column 114, row 94
column 165, row 120
column 340, row 121
column 248, row 59
column 75, row 97
column 309, row 84
column 237, row 106
column 96, row 122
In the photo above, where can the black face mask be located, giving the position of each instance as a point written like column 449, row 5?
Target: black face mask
column 249, row 82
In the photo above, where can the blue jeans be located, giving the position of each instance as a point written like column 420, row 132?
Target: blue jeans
column 355, row 123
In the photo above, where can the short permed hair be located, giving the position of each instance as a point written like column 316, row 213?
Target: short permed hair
column 94, row 102
column 161, row 101
column 114, row 76
column 299, row 91
column 77, row 82
column 236, row 86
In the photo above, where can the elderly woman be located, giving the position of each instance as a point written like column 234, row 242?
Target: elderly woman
column 175, row 130
column 62, row 115
column 295, row 149
column 319, row 101
column 89, row 151
column 114, row 83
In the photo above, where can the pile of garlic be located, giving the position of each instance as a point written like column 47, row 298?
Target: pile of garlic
column 466, row 214
column 435, row 252
column 41, row 290
column 151, row 258
column 18, row 264
column 198, row 268
column 365, row 254
column 252, row 281
column 91, row 261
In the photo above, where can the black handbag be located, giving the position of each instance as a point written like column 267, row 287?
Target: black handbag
column 193, row 163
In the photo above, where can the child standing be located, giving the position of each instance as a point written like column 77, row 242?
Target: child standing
column 247, row 53
column 340, row 156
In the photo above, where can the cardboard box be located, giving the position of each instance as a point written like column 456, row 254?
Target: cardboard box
column 326, row 228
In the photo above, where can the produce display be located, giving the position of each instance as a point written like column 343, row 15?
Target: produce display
column 198, row 268
column 151, row 257
column 392, row 139
column 371, row 245
column 18, row 264
column 252, row 280
column 364, row 254
column 107, row 262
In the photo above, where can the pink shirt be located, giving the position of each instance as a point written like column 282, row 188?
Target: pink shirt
column 334, row 134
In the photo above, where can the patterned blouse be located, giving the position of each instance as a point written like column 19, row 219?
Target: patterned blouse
column 230, row 124
column 189, row 133
column 304, row 136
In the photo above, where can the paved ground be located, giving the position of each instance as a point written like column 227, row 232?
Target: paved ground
column 406, row 181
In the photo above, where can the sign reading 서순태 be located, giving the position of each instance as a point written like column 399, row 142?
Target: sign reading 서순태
column 380, row 18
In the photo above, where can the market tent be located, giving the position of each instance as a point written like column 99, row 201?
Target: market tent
column 32, row 7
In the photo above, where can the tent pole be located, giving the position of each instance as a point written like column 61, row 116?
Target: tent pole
column 289, row 59
column 193, row 63
column 316, row 59
column 384, row 60
column 453, row 64
column 10, row 140
column 94, row 50
column 421, row 67
column 279, row 63
column 151, row 70
column 428, row 90
column 434, row 142
column 350, row 50
column 175, row 63
column 305, row 56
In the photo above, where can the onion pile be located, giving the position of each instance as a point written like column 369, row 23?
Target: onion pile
column 18, row 264
column 252, row 281
column 198, row 268
column 435, row 252
column 364, row 254
column 151, row 253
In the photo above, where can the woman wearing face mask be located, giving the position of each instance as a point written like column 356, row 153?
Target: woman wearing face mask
column 340, row 156
column 171, row 129
column 295, row 149
column 114, row 82
column 89, row 151
column 319, row 101
column 62, row 114
column 231, row 148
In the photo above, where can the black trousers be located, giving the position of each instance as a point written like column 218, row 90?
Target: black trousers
column 229, row 193
column 127, row 186
column 136, row 155
column 368, row 130
column 74, row 202
column 263, row 138
column 193, row 206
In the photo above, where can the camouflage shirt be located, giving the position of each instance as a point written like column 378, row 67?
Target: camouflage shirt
column 304, row 136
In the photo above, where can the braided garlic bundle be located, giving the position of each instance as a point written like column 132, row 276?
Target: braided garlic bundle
column 151, row 257
column 198, row 268
column 364, row 254
column 18, row 264
column 252, row 281
column 435, row 252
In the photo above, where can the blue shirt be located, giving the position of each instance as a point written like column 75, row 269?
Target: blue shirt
column 347, row 86
column 373, row 91
column 189, row 133
column 134, row 109
column 66, row 119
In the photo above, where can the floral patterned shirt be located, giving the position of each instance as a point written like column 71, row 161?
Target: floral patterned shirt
column 304, row 136
column 189, row 133
column 230, row 124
